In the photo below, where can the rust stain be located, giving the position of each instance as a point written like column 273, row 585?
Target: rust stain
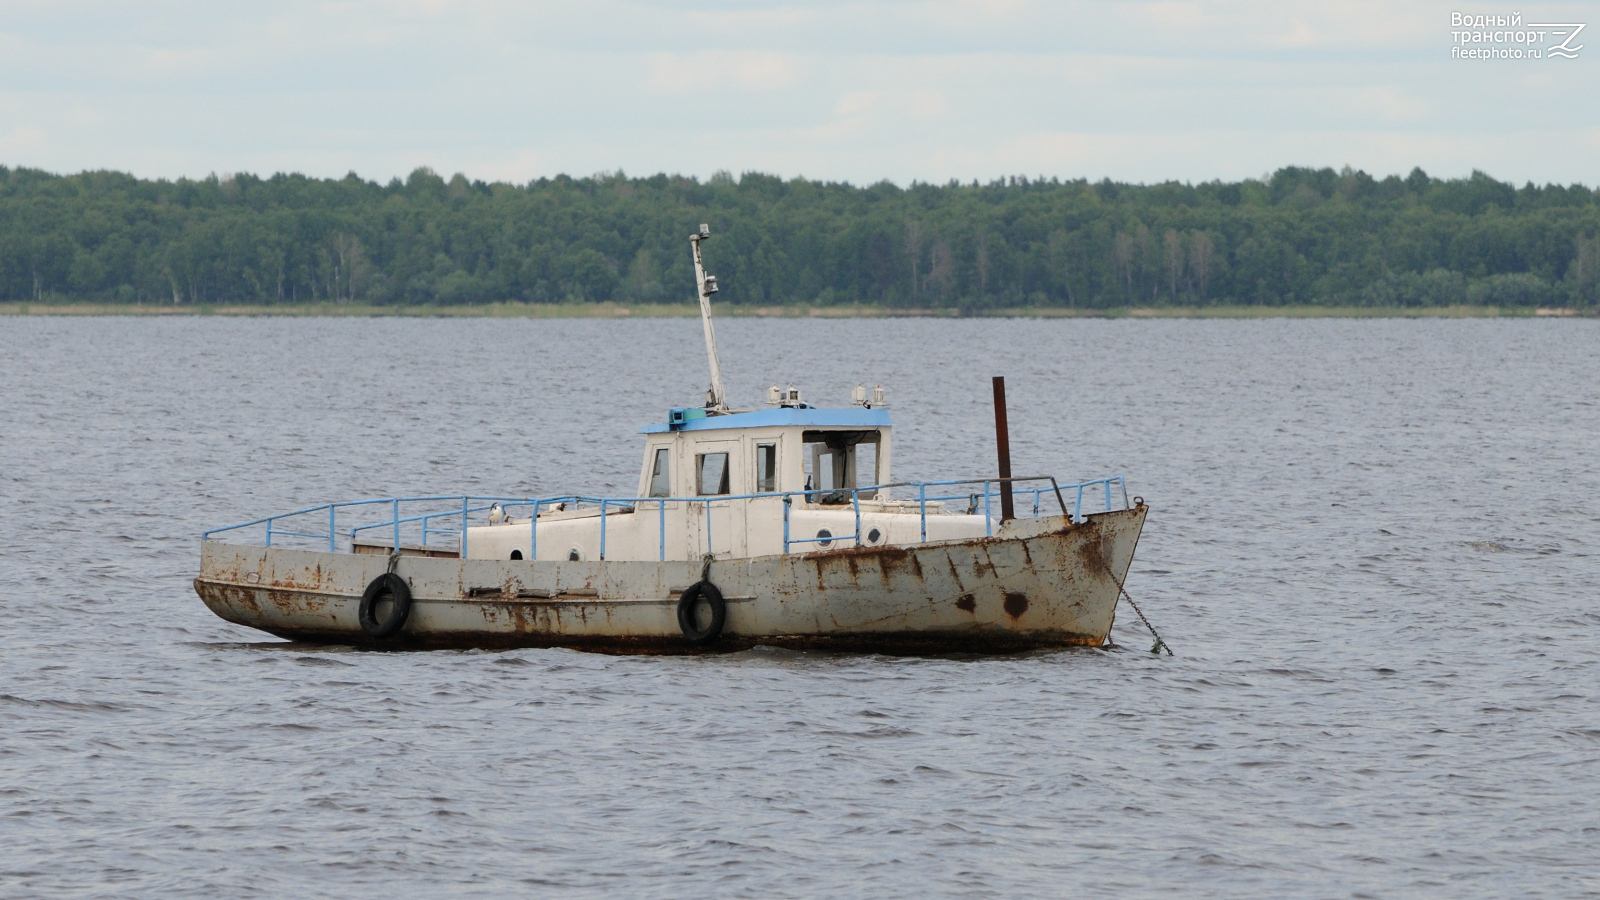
column 284, row 601
column 892, row 560
column 842, row 552
column 988, row 563
column 519, row 616
column 966, row 603
column 1093, row 551
column 240, row 597
column 955, row 573
column 1016, row 604
column 888, row 559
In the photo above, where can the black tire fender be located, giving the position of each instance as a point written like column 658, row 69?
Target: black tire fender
column 396, row 587
column 697, row 592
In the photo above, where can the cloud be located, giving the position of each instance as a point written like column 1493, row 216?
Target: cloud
column 746, row 72
column 24, row 140
column 856, row 104
column 920, row 89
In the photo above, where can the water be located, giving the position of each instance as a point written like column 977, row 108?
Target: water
column 1372, row 545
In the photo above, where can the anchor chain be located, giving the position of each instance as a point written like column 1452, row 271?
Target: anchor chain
column 1160, row 644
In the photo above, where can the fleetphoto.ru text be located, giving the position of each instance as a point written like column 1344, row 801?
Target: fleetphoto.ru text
column 1508, row 37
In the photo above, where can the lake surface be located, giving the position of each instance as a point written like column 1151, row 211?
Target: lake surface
column 1372, row 544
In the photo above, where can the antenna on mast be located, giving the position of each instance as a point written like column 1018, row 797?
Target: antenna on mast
column 706, row 285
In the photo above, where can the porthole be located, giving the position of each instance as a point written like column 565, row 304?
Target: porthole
column 574, row 555
column 516, row 554
column 824, row 538
column 874, row 536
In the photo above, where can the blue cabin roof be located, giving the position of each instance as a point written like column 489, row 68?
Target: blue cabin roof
column 853, row 417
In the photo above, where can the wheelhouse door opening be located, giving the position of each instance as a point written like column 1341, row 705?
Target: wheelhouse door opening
column 836, row 462
column 717, row 524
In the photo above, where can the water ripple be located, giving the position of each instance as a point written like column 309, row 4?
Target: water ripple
column 1371, row 542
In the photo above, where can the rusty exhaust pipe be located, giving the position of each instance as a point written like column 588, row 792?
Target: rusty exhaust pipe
column 1002, row 440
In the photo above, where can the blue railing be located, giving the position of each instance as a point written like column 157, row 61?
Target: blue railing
column 425, row 524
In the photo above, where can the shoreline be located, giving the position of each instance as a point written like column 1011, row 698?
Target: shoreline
column 801, row 311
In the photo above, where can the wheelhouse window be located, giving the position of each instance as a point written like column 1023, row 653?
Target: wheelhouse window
column 836, row 462
column 661, row 474
column 711, row 474
column 766, row 468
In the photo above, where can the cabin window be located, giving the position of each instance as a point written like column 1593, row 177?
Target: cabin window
column 711, row 472
column 766, row 468
column 837, row 461
column 661, row 474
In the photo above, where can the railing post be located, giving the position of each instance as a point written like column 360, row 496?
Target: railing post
column 922, row 500
column 396, row 524
column 855, row 500
column 710, row 548
column 988, row 523
column 533, row 533
column 1077, row 507
column 787, row 501
column 269, row 532
column 602, row 528
column 662, row 527
column 331, row 526
column 464, row 503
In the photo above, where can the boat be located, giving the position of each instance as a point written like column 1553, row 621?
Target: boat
column 777, row 526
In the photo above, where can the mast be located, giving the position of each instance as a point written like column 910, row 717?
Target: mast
column 706, row 285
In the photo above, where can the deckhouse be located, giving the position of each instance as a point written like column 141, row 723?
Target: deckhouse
column 740, row 484
column 792, row 448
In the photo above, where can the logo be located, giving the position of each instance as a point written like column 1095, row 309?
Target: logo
column 1506, row 37
column 1570, row 30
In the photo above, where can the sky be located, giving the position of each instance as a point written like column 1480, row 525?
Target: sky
column 859, row 92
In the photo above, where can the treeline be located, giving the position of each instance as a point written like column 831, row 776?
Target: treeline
column 1301, row 236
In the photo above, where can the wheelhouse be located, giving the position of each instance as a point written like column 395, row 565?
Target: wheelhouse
column 826, row 453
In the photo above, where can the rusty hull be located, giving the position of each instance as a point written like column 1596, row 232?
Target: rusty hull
column 1042, row 582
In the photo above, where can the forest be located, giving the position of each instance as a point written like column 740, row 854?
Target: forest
column 1298, row 236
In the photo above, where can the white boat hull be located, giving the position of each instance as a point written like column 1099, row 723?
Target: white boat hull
column 1037, row 583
